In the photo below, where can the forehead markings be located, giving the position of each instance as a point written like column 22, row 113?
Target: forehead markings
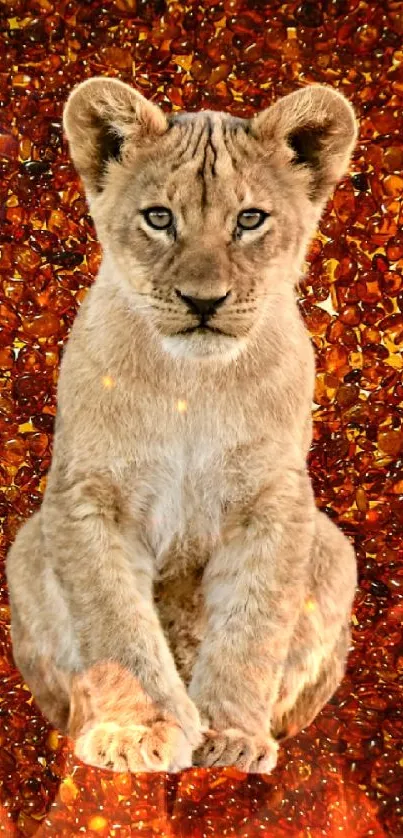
column 190, row 149
column 237, row 142
column 201, row 171
column 227, row 150
column 182, row 143
column 195, row 150
column 207, row 143
column 217, row 158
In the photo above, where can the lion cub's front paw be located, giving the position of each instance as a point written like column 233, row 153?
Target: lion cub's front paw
column 234, row 747
column 160, row 746
column 116, row 724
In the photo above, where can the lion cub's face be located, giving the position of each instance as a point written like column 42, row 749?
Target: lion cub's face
column 206, row 217
column 203, row 217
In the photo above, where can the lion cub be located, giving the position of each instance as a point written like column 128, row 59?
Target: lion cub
column 178, row 597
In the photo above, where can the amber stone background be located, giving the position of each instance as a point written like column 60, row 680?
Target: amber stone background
column 344, row 775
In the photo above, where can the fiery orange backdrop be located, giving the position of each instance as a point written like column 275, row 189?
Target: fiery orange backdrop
column 344, row 775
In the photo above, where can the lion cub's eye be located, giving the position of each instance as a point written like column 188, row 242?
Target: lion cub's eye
column 160, row 218
column 251, row 219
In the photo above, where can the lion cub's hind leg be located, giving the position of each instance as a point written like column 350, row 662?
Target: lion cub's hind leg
column 297, row 708
column 39, row 623
column 317, row 657
column 48, row 684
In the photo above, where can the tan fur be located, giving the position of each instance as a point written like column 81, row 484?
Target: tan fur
column 178, row 577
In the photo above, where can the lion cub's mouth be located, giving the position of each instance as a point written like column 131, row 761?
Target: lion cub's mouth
column 203, row 329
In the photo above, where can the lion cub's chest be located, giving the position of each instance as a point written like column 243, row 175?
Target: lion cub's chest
column 185, row 508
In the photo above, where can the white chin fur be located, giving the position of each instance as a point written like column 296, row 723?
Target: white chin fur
column 219, row 347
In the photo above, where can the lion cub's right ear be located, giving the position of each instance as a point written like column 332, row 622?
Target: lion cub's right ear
column 314, row 130
column 99, row 116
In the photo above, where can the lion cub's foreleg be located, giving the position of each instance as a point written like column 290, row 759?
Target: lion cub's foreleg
column 256, row 586
column 127, row 693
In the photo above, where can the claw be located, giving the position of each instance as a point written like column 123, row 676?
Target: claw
column 236, row 748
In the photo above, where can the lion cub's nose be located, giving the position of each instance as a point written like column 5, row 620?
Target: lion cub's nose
column 199, row 305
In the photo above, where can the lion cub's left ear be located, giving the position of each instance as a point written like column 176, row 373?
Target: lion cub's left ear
column 313, row 129
column 99, row 116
